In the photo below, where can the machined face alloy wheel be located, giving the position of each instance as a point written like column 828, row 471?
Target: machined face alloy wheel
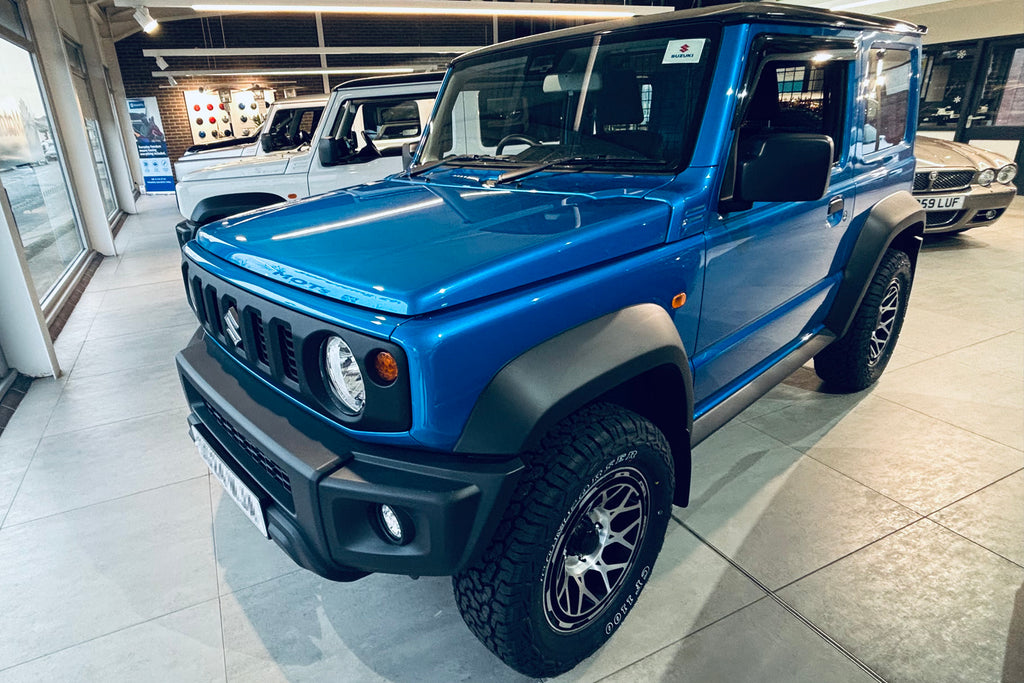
column 887, row 311
column 596, row 549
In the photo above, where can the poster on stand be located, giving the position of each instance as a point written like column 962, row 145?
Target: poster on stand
column 149, row 138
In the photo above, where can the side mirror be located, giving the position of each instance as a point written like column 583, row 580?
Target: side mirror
column 408, row 152
column 783, row 167
column 334, row 151
column 267, row 143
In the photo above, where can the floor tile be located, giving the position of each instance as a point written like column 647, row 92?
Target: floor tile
column 760, row 643
column 921, row 605
column 33, row 413
column 142, row 309
column 993, row 517
column 691, row 587
column 244, row 556
column 918, row 461
column 752, row 495
column 937, row 333
column 182, row 646
column 106, row 462
column 116, row 354
column 15, row 457
column 116, row 396
column 985, row 403
column 303, row 628
column 136, row 269
column 87, row 573
column 1002, row 355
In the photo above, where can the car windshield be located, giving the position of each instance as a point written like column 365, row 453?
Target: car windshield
column 620, row 101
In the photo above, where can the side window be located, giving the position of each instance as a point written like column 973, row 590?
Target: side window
column 885, row 93
column 391, row 120
column 798, row 94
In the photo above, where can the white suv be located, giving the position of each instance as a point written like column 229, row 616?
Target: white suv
column 290, row 123
column 360, row 137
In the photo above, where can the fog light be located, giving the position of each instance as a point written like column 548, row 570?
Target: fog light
column 391, row 524
column 990, row 214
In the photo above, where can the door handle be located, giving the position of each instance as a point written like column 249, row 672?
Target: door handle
column 835, row 205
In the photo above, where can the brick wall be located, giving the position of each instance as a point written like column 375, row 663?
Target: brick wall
column 253, row 30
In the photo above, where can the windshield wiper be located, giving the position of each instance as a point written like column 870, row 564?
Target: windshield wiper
column 582, row 162
column 413, row 172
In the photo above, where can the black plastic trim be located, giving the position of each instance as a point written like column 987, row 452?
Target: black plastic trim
column 708, row 423
column 897, row 218
column 549, row 382
column 215, row 208
column 455, row 502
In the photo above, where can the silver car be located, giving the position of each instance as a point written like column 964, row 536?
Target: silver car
column 960, row 186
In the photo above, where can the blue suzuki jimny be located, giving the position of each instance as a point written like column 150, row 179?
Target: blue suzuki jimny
column 609, row 241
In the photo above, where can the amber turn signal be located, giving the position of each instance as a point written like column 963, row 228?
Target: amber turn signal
column 385, row 367
column 678, row 300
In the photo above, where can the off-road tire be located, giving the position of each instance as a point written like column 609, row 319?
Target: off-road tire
column 855, row 361
column 574, row 478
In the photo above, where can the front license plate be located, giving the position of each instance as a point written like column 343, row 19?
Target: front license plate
column 239, row 492
column 943, row 203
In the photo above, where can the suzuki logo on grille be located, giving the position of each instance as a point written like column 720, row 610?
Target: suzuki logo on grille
column 233, row 326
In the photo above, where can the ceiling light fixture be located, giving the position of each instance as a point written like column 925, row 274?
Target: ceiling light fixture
column 288, row 72
column 145, row 19
column 470, row 8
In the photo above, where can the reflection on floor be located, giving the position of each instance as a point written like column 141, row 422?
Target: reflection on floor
column 830, row 538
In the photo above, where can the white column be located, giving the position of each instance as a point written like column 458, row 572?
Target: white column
column 117, row 164
column 23, row 332
column 75, row 141
column 124, row 118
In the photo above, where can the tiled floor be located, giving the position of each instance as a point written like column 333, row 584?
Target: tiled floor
column 831, row 538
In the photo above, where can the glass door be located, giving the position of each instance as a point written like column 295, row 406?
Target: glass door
column 32, row 173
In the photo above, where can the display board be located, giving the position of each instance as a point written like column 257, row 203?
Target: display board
column 218, row 114
column 149, row 139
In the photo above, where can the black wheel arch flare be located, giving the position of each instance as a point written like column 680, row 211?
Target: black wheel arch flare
column 896, row 221
column 633, row 357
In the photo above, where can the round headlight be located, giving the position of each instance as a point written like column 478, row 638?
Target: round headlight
column 344, row 376
column 1007, row 173
column 986, row 177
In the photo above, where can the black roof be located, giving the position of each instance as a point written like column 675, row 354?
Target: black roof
column 738, row 13
column 398, row 79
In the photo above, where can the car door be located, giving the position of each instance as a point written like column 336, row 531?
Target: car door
column 385, row 122
column 771, row 266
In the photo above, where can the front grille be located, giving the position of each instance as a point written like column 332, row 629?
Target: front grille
column 936, row 219
column 282, row 347
column 266, row 345
column 944, row 181
column 291, row 369
column 257, row 455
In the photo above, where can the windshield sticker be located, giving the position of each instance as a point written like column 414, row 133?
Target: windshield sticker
column 683, row 51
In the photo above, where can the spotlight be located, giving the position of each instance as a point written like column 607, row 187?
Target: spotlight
column 161, row 63
column 171, row 81
column 145, row 19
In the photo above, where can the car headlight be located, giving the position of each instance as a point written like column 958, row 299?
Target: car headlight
column 1007, row 173
column 343, row 375
column 986, row 177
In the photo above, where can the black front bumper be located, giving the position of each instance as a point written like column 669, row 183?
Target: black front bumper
column 321, row 489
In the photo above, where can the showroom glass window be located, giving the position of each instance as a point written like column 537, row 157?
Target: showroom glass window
column 886, row 98
column 76, row 60
column 1001, row 102
column 31, row 170
column 946, row 85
